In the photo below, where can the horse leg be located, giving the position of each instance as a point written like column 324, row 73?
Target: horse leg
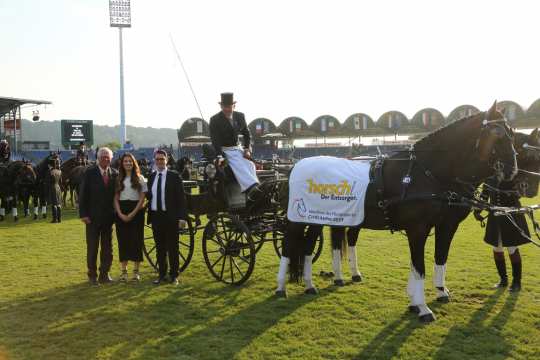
column 43, row 203
column 2, row 209
column 14, row 210
column 291, row 241
column 26, row 201
column 64, row 195
column 444, row 233
column 352, row 238
column 417, row 236
column 71, row 196
column 312, row 233
column 35, row 202
column 337, row 236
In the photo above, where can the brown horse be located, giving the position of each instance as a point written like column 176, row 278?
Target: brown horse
column 411, row 191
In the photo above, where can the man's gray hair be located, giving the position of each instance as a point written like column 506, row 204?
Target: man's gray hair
column 103, row 150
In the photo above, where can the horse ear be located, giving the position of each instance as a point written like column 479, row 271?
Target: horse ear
column 492, row 111
column 535, row 135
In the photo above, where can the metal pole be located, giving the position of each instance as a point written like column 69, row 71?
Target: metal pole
column 15, row 131
column 122, row 110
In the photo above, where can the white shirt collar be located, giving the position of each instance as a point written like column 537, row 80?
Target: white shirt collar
column 163, row 173
column 101, row 170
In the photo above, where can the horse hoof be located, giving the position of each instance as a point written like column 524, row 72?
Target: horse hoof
column 35, row 217
column 427, row 318
column 311, row 291
column 281, row 294
column 357, row 278
column 44, row 216
column 1, row 218
column 15, row 218
column 339, row 282
column 414, row 309
column 443, row 299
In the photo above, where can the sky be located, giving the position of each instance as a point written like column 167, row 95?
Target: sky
column 281, row 58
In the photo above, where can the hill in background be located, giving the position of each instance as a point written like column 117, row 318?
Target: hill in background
column 139, row 136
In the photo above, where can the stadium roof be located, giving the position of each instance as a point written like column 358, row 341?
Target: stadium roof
column 7, row 103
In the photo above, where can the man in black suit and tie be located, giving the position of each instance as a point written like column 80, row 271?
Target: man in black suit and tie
column 225, row 127
column 167, row 213
column 97, row 212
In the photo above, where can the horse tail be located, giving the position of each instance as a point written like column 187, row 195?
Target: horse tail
column 293, row 249
column 338, row 241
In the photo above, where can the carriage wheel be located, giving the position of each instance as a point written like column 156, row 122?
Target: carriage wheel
column 228, row 249
column 186, row 247
column 278, row 245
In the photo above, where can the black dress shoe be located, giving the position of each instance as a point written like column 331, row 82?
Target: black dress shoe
column 158, row 281
column 105, row 279
column 174, row 281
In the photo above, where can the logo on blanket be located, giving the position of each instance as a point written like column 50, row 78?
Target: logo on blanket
column 300, row 207
column 340, row 191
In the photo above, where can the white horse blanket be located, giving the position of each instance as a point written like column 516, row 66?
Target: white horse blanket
column 327, row 190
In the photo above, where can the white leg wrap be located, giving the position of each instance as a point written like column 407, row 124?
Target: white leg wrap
column 353, row 263
column 511, row 250
column 308, row 271
column 36, row 210
column 415, row 289
column 43, row 210
column 2, row 212
column 282, row 273
column 14, row 212
column 336, row 264
column 439, row 275
column 439, row 281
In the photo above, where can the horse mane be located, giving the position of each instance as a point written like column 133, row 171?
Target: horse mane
column 435, row 135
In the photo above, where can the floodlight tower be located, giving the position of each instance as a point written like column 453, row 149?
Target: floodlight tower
column 120, row 14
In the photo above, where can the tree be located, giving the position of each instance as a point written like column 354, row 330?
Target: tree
column 113, row 145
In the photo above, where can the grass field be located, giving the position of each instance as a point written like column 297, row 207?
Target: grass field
column 47, row 310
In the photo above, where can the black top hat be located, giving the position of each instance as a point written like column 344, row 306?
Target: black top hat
column 227, row 99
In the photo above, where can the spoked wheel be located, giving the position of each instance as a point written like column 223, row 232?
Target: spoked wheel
column 228, row 249
column 278, row 244
column 186, row 246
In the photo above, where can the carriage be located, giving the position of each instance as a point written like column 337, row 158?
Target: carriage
column 235, row 229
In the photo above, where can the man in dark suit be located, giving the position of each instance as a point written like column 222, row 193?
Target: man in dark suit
column 96, row 211
column 225, row 127
column 167, row 213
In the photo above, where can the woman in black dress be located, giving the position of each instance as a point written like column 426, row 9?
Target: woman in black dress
column 128, row 203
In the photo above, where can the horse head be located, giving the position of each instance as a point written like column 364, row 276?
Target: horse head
column 528, row 148
column 27, row 175
column 495, row 145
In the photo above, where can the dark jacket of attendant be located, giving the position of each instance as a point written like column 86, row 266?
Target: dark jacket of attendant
column 96, row 199
column 510, row 235
column 175, row 201
column 223, row 133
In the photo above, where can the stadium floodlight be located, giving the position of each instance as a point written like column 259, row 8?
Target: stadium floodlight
column 120, row 14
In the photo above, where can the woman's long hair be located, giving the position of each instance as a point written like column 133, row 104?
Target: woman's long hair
column 135, row 174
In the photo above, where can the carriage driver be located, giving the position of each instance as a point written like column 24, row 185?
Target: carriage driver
column 225, row 127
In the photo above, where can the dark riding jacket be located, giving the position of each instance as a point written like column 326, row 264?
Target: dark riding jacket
column 223, row 133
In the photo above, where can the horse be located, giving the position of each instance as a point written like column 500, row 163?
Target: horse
column 68, row 177
column 25, row 185
column 411, row 191
column 42, row 172
column 525, row 183
column 17, row 180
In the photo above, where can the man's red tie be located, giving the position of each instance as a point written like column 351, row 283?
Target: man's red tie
column 105, row 178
